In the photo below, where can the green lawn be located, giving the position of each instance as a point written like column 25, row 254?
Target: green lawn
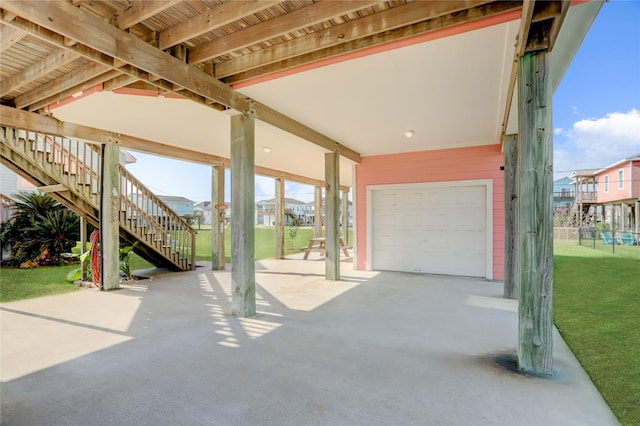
column 597, row 310
column 17, row 284
column 294, row 238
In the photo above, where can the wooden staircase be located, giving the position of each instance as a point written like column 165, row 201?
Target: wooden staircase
column 69, row 170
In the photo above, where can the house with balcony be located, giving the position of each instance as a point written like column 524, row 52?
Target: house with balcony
column 295, row 212
column 610, row 195
column 563, row 195
column 618, row 194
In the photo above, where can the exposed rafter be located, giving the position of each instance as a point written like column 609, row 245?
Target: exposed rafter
column 396, row 24
column 74, row 23
column 217, row 17
column 305, row 17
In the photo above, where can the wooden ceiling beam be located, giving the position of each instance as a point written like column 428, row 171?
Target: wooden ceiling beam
column 437, row 23
column 60, row 84
column 71, row 91
column 141, row 10
column 15, row 118
column 301, row 18
column 380, row 22
column 217, row 17
column 10, row 36
column 55, row 60
column 68, row 21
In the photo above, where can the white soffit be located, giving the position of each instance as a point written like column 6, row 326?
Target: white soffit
column 451, row 92
column 189, row 125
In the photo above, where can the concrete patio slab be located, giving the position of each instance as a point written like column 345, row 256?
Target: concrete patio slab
column 377, row 348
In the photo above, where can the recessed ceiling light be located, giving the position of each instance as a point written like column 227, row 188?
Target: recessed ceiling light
column 408, row 134
column 266, row 149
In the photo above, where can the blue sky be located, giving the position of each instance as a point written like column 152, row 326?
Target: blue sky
column 596, row 113
column 596, row 108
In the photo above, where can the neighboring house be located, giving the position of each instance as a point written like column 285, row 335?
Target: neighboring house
column 266, row 211
column 180, row 205
column 610, row 195
column 618, row 193
column 310, row 216
column 563, row 194
column 203, row 209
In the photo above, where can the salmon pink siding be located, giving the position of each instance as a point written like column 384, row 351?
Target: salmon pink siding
column 482, row 162
column 630, row 184
column 635, row 179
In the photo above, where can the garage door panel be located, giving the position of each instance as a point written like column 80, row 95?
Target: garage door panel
column 438, row 230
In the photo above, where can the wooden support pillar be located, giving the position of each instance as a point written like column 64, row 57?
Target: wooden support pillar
column 535, row 215
column 243, row 274
column 345, row 216
column 109, row 219
column 510, row 216
column 218, row 208
column 83, row 247
column 317, row 219
column 279, row 228
column 332, row 214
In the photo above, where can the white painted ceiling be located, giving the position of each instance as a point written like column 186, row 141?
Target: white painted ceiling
column 452, row 92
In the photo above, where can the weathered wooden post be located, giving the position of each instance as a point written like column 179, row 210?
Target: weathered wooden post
column 243, row 274
column 510, row 216
column 332, row 230
column 535, row 214
column 110, row 218
column 345, row 216
column 279, row 228
column 317, row 219
column 218, row 208
column 83, row 247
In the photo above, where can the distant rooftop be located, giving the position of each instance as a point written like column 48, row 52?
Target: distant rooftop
column 174, row 199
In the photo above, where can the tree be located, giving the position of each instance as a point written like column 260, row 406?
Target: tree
column 40, row 230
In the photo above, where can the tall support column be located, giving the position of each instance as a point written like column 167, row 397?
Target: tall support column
column 279, row 229
column 83, row 247
column 637, row 218
column 217, row 218
column 317, row 220
column 332, row 214
column 535, row 213
column 510, row 216
column 109, row 219
column 243, row 274
column 345, row 216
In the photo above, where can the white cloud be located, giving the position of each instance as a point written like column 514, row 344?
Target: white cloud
column 598, row 142
column 558, row 131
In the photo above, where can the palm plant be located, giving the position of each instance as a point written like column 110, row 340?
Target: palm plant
column 40, row 229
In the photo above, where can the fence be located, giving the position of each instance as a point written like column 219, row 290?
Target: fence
column 565, row 233
column 614, row 241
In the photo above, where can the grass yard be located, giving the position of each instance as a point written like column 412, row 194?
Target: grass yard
column 597, row 310
column 294, row 238
column 17, row 284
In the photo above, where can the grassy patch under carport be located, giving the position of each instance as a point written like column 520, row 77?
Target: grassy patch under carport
column 597, row 311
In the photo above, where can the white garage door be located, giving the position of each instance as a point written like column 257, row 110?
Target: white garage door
column 430, row 228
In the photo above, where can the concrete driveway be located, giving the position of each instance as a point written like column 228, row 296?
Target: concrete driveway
column 373, row 349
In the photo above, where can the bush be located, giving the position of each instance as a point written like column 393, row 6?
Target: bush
column 40, row 231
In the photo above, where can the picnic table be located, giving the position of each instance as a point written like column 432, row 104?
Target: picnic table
column 318, row 244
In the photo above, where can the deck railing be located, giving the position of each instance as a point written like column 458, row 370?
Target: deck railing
column 587, row 197
column 75, row 166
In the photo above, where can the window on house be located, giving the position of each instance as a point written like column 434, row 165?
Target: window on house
column 606, row 183
column 620, row 179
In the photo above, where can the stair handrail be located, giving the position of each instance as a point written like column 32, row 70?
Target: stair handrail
column 65, row 157
column 177, row 234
